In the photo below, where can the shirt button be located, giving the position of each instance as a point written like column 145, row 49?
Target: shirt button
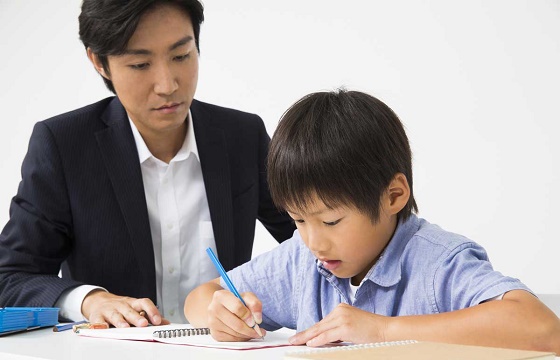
column 170, row 226
column 172, row 312
column 165, row 181
column 171, row 269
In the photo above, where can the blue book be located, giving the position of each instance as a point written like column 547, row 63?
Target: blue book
column 16, row 319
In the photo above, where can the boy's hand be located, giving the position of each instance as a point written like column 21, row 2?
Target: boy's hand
column 344, row 323
column 230, row 320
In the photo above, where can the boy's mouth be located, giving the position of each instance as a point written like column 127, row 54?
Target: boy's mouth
column 331, row 264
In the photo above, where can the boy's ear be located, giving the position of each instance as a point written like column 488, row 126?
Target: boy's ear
column 398, row 193
column 97, row 63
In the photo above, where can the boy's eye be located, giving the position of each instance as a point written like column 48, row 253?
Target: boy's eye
column 299, row 221
column 142, row 66
column 331, row 223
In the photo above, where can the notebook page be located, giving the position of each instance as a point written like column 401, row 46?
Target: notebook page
column 419, row 350
column 272, row 339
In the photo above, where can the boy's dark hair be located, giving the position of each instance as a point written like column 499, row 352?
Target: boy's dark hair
column 106, row 26
column 343, row 146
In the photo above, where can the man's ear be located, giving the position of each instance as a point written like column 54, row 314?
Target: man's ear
column 397, row 194
column 97, row 63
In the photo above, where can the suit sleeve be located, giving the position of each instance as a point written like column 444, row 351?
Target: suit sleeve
column 38, row 236
column 277, row 222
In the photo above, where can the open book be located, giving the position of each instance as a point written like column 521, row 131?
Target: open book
column 419, row 350
column 181, row 334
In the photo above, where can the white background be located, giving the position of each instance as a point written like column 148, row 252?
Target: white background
column 477, row 84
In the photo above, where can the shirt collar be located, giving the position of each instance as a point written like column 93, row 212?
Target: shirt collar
column 188, row 147
column 387, row 270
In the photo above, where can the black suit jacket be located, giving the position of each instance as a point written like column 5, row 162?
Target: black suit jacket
column 81, row 202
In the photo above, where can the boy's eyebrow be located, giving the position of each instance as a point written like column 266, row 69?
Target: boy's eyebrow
column 174, row 46
column 312, row 213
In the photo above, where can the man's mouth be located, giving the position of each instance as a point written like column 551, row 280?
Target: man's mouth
column 168, row 105
column 168, row 108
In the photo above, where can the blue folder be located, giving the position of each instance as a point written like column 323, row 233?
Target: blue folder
column 15, row 319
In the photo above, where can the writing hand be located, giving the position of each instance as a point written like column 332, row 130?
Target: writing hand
column 230, row 320
column 344, row 323
column 120, row 311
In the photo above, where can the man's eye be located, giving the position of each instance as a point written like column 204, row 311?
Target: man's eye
column 299, row 221
column 182, row 57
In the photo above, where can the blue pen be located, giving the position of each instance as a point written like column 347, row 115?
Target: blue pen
column 229, row 284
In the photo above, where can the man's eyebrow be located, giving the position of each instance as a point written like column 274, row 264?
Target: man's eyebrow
column 181, row 42
column 174, row 46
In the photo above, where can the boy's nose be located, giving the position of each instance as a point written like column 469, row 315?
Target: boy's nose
column 316, row 242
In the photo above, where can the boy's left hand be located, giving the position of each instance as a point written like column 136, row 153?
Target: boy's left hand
column 344, row 323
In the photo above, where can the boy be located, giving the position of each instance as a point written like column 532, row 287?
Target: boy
column 361, row 267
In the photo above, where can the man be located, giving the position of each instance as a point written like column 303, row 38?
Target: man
column 127, row 193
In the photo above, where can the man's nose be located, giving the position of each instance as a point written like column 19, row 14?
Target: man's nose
column 165, row 82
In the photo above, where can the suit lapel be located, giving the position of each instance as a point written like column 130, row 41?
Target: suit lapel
column 212, row 149
column 120, row 155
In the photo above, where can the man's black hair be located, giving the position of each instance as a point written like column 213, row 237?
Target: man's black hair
column 106, row 26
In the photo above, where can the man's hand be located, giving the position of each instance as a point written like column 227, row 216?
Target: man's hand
column 120, row 311
column 344, row 323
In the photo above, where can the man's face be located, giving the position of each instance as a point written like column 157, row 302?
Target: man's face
column 156, row 77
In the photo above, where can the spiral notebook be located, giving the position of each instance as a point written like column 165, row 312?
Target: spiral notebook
column 180, row 334
column 418, row 350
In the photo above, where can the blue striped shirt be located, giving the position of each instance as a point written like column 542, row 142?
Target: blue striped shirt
column 423, row 270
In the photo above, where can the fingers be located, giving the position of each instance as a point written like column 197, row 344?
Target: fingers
column 228, row 327
column 344, row 323
column 155, row 317
column 333, row 328
column 319, row 334
column 330, row 335
column 230, row 320
column 147, row 309
column 255, row 307
column 100, row 317
column 120, row 311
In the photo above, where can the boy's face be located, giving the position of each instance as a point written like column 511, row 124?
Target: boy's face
column 343, row 239
column 156, row 78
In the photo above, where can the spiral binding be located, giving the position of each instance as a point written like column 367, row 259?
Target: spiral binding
column 173, row 333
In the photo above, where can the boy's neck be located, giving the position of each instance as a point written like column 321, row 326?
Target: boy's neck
column 392, row 228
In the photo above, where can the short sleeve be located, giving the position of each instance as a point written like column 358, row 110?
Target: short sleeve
column 466, row 278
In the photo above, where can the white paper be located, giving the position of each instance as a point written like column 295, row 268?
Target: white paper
column 272, row 339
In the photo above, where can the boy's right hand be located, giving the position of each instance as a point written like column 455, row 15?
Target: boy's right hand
column 230, row 320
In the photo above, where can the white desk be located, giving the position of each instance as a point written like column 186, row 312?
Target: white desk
column 46, row 344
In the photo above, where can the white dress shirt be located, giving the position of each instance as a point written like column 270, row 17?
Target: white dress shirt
column 180, row 226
